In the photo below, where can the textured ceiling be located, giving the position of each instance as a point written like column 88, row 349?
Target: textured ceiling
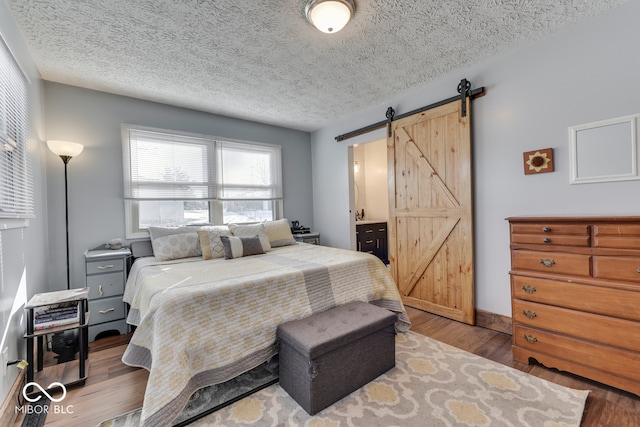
column 261, row 60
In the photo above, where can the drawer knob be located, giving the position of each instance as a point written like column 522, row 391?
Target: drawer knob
column 638, row 269
column 547, row 262
column 546, row 240
column 104, row 267
column 528, row 289
column 107, row 310
column 529, row 314
column 530, row 338
column 546, row 229
column 100, row 291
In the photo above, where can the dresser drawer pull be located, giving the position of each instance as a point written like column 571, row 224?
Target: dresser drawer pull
column 530, row 338
column 100, row 291
column 546, row 229
column 529, row 314
column 638, row 269
column 528, row 289
column 107, row 310
column 368, row 231
column 104, row 267
column 547, row 262
column 546, row 240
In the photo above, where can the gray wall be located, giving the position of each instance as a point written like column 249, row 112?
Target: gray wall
column 95, row 182
column 532, row 96
column 23, row 251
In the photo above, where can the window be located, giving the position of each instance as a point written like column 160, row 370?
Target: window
column 16, row 183
column 173, row 179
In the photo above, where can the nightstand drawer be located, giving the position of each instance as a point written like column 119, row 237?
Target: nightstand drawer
column 105, row 285
column 106, row 310
column 551, row 262
column 105, row 266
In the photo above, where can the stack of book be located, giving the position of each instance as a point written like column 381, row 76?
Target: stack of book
column 51, row 316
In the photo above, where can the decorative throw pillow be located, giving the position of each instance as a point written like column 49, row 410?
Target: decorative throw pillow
column 279, row 233
column 251, row 230
column 174, row 242
column 236, row 247
column 210, row 242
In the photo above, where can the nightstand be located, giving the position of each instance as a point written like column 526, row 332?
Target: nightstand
column 106, row 276
column 68, row 311
column 313, row 238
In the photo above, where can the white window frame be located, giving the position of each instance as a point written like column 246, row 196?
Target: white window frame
column 16, row 175
column 215, row 199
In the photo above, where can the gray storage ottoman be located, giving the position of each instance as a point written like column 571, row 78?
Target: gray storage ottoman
column 325, row 357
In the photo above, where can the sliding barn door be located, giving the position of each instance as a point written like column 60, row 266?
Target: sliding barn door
column 430, row 197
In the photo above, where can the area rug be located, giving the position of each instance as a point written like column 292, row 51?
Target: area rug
column 433, row 384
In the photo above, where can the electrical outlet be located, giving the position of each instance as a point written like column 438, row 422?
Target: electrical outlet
column 4, row 359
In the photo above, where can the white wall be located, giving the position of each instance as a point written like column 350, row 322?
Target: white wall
column 23, row 251
column 533, row 95
column 95, row 177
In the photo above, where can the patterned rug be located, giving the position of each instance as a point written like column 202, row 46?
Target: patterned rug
column 433, row 384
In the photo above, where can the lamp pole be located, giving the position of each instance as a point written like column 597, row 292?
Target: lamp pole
column 66, row 159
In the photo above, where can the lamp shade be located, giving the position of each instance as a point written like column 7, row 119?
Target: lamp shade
column 65, row 148
column 329, row 16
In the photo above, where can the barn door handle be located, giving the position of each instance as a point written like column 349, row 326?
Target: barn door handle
column 529, row 314
column 547, row 262
column 530, row 339
column 528, row 289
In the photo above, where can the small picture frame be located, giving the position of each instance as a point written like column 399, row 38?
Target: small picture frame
column 538, row 161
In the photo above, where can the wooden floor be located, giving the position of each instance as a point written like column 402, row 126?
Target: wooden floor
column 113, row 388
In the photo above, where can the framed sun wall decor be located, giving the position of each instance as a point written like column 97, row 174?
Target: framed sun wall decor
column 538, row 161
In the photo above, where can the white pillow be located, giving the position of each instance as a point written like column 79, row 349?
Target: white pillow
column 279, row 233
column 174, row 242
column 210, row 242
column 251, row 230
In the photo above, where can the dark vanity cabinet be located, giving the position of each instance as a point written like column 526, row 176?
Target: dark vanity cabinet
column 371, row 237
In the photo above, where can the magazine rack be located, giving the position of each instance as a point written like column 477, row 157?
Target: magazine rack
column 61, row 372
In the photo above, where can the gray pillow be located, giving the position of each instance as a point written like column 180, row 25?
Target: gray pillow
column 236, row 247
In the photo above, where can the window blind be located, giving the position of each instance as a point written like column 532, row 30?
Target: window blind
column 162, row 165
column 16, row 181
column 248, row 172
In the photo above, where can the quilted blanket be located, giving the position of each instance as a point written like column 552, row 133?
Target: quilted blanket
column 204, row 322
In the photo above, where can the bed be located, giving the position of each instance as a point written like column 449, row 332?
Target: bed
column 204, row 321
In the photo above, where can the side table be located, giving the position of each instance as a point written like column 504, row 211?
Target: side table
column 37, row 338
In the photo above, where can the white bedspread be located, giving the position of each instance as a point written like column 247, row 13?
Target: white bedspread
column 202, row 322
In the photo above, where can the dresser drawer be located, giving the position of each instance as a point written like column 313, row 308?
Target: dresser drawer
column 617, row 236
column 543, row 239
column 551, row 262
column 105, row 285
column 617, row 268
column 551, row 234
column 612, row 360
column 105, row 266
column 106, row 310
column 587, row 326
column 593, row 299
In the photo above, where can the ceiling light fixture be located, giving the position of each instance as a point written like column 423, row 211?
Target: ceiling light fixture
column 329, row 16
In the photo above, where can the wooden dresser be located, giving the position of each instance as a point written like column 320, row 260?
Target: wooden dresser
column 575, row 295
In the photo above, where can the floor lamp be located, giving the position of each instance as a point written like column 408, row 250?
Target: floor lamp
column 66, row 150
